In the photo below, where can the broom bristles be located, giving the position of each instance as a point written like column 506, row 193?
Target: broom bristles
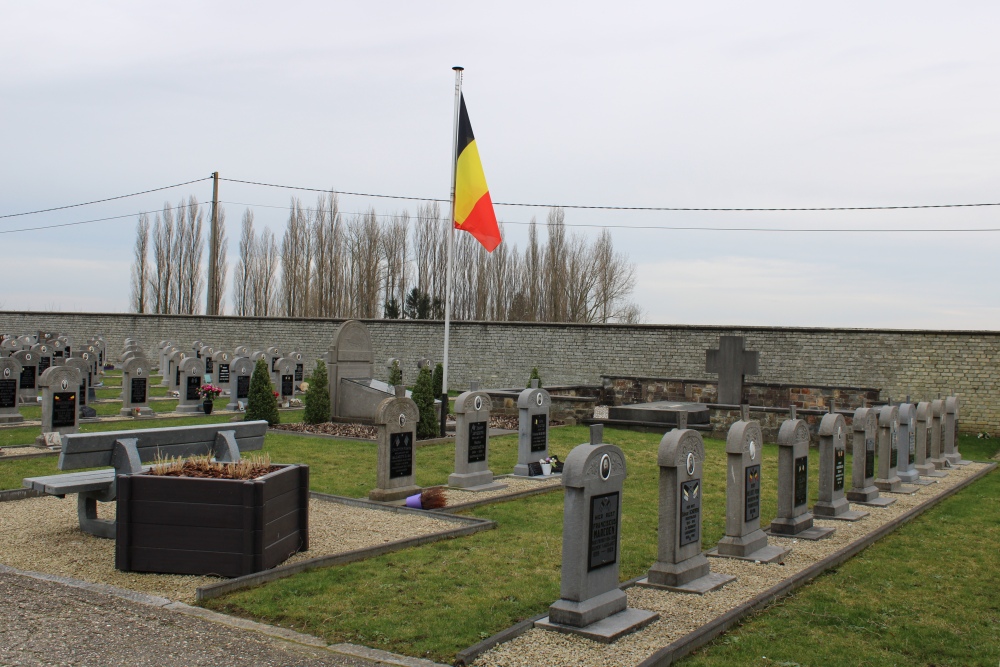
column 433, row 498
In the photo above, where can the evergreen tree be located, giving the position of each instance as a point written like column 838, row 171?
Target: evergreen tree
column 395, row 374
column 318, row 396
column 534, row 376
column 261, row 402
column 423, row 396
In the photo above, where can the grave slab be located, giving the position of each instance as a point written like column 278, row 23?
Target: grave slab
column 662, row 412
column 712, row 581
column 608, row 629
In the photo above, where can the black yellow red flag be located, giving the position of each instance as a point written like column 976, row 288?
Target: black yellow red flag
column 473, row 206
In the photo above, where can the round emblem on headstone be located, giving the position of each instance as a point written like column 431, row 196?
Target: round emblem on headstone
column 838, row 431
column 753, row 451
column 478, row 403
column 27, row 357
column 690, row 463
column 605, row 467
column 225, row 357
column 65, row 384
column 402, row 419
column 44, row 349
column 538, row 398
column 138, row 371
column 6, row 372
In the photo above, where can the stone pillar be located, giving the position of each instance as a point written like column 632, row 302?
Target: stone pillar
column 937, row 421
column 533, row 405
column 472, row 443
column 192, row 370
column 680, row 565
column 396, row 420
column 793, row 517
column 60, row 387
column 833, row 471
column 10, row 390
column 591, row 603
column 864, row 491
column 135, row 388
column 744, row 539
column 922, row 429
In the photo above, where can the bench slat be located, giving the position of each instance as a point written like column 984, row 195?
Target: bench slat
column 149, row 453
column 104, row 441
column 59, row 485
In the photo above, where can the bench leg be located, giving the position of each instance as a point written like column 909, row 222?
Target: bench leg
column 86, row 510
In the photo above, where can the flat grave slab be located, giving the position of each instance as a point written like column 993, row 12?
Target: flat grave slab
column 768, row 554
column 664, row 412
column 875, row 502
column 712, row 581
column 811, row 534
column 607, row 629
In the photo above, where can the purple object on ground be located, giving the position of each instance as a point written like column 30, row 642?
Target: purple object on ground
column 414, row 502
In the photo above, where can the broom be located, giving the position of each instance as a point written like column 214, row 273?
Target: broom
column 428, row 499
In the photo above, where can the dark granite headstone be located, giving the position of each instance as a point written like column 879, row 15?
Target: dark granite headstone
column 801, row 479
column 839, row 469
column 690, row 519
column 193, row 385
column 477, row 442
column 223, row 374
column 28, row 377
column 539, row 436
column 243, row 386
column 287, row 385
column 43, row 364
column 139, row 390
column 209, row 365
column 299, row 372
column 63, row 409
column 400, row 455
column 751, row 496
column 604, row 518
column 8, row 393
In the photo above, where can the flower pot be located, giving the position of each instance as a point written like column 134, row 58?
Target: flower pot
column 413, row 502
column 207, row 406
column 546, row 468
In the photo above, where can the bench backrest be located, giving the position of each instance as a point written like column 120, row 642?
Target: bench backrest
column 93, row 450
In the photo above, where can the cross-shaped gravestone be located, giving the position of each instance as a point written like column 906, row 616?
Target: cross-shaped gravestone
column 731, row 362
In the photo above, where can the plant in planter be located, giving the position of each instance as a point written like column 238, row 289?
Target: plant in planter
column 551, row 464
column 208, row 393
column 534, row 376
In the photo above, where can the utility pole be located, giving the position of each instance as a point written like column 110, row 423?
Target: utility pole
column 212, row 305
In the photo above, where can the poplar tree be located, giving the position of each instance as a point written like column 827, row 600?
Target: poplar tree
column 261, row 402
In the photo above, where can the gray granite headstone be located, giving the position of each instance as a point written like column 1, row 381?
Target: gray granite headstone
column 793, row 518
column 60, row 387
column 350, row 356
column 29, row 375
column 888, row 451
column 192, row 376
column 744, row 471
column 863, row 491
column 832, row 503
column 731, row 362
column 396, row 421
column 937, row 442
column 950, row 432
column 285, row 372
column 472, row 443
column 240, row 371
column 83, row 367
column 923, row 465
column 533, row 405
column 907, row 437
column 222, row 361
column 10, row 390
column 135, row 388
column 591, row 603
column 680, row 565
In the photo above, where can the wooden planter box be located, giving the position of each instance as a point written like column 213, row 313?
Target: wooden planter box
column 224, row 527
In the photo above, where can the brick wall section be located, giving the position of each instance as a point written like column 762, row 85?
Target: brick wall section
column 919, row 363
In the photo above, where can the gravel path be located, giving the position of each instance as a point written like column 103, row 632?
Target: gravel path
column 681, row 613
column 43, row 535
column 44, row 623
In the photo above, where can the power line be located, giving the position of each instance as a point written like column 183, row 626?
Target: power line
column 101, row 201
column 625, row 208
column 87, row 222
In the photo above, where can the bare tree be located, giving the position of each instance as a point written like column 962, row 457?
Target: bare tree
column 220, row 264
column 328, row 241
column 140, row 267
column 365, row 270
column 554, row 276
column 615, row 281
column 296, row 261
column 161, row 280
column 243, row 275
column 265, row 280
column 394, row 245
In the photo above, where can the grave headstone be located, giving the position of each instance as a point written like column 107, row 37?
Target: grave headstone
column 285, row 372
column 28, row 382
column 924, row 465
column 937, row 423
column 300, row 367
column 83, row 367
column 242, row 351
column 731, row 362
column 590, row 602
column 472, row 443
column 222, row 360
column 272, row 354
column 793, row 517
column 60, row 387
column 832, row 504
column 863, row 491
column 533, row 405
column 192, row 376
column 396, row 421
column 10, row 390
column 888, row 450
column 744, row 457
column 950, row 433
column 44, row 354
column 135, row 388
column 240, row 371
column 350, row 357
column 680, row 565
column 176, row 358
column 907, row 438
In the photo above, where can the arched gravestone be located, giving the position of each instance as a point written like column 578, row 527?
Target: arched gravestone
column 9, row 346
column 222, row 361
column 81, row 365
column 533, row 406
column 167, row 366
column 950, row 433
column 10, row 390
column 865, row 428
column 680, row 565
column 273, row 354
column 888, row 452
column 300, row 367
column 44, row 354
column 242, row 351
column 350, row 357
column 924, row 465
column 207, row 354
column 240, row 371
column 29, row 375
column 937, row 443
column 472, row 443
column 284, row 369
column 591, row 603
column 192, row 371
column 135, row 388
column 744, row 539
column 60, row 387
column 832, row 504
column 176, row 358
column 907, row 437
column 793, row 517
column 396, row 420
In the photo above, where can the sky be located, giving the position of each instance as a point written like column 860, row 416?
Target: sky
column 702, row 105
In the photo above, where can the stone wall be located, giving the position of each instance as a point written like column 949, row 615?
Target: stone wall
column 922, row 364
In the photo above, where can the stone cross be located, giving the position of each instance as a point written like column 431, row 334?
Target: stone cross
column 472, row 443
column 10, row 390
column 923, row 464
column 731, row 362
column 240, row 371
column 192, row 375
column 593, row 475
column 937, row 423
column 533, row 405
column 60, row 387
column 744, row 539
column 395, row 477
column 833, row 471
column 863, row 491
column 794, row 518
column 680, row 565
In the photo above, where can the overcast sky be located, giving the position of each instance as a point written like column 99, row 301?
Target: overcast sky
column 777, row 104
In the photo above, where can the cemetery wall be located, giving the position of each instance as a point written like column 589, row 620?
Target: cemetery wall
column 922, row 364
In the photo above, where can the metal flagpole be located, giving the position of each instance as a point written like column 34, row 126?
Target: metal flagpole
column 451, row 244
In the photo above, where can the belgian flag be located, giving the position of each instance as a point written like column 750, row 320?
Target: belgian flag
column 473, row 206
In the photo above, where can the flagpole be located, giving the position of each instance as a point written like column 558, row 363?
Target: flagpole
column 451, row 245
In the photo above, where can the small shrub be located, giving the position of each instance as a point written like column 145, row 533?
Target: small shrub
column 423, row 396
column 535, row 376
column 261, row 400
column 395, row 374
column 318, row 396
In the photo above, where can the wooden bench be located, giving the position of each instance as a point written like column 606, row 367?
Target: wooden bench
column 127, row 451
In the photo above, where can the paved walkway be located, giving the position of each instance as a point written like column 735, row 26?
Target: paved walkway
column 46, row 623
